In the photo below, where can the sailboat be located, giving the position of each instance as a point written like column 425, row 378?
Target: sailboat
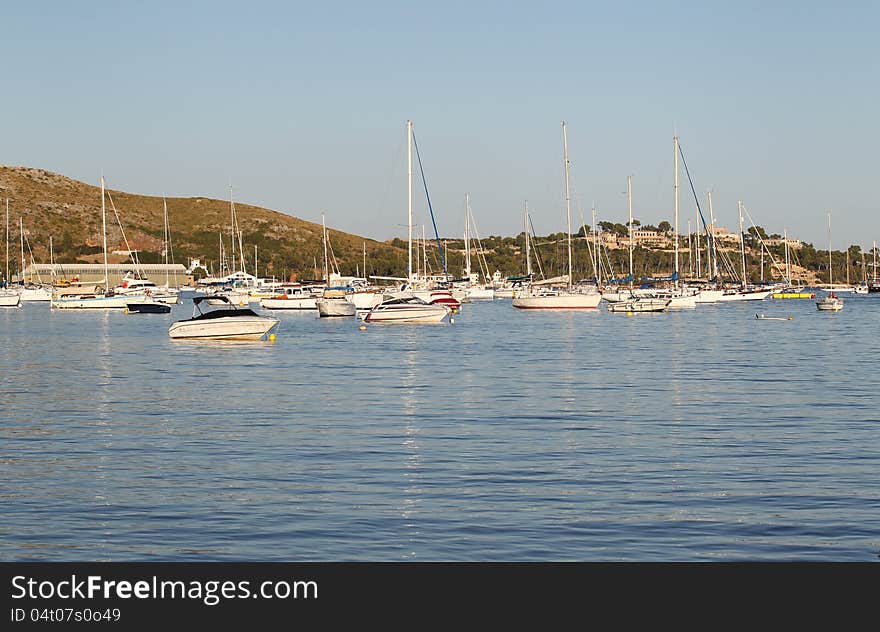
column 874, row 281
column 334, row 301
column 405, row 306
column 473, row 289
column 8, row 298
column 96, row 298
column 830, row 303
column 547, row 297
column 626, row 301
column 744, row 293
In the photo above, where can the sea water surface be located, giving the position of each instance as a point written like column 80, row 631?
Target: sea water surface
column 692, row 436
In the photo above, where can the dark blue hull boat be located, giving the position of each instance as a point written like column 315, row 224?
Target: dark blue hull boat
column 148, row 308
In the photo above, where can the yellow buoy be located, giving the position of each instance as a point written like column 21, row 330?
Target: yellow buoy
column 363, row 327
column 271, row 337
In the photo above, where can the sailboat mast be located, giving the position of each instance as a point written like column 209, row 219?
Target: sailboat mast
column 6, row 278
column 595, row 254
column 165, row 213
column 51, row 256
column 365, row 260
column 690, row 251
column 742, row 243
column 697, row 247
column 830, row 278
column 567, row 200
column 713, row 256
column 675, row 186
column 409, row 198
column 324, row 236
column 528, row 242
column 787, row 260
column 104, row 230
column 629, row 197
column 232, row 229
column 21, row 234
column 467, row 236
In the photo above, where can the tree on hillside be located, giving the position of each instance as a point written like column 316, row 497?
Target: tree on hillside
column 664, row 227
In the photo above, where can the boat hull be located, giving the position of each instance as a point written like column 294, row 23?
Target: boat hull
column 97, row 302
column 829, row 304
column 33, row 295
column 10, row 300
column 230, row 328
column 330, row 308
column 408, row 314
column 305, row 303
column 557, row 301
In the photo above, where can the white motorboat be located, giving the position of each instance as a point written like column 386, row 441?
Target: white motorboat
column 334, row 302
column 291, row 298
column 222, row 324
column 407, row 309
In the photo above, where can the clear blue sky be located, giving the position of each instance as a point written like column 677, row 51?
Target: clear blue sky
column 303, row 107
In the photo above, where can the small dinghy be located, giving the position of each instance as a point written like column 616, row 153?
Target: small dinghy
column 762, row 317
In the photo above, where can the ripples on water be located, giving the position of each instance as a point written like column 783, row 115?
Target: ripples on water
column 694, row 435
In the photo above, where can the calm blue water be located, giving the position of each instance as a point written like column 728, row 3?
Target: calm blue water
column 508, row 435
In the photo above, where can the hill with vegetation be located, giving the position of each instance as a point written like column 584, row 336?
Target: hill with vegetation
column 69, row 212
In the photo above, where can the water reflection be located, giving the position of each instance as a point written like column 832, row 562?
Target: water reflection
column 699, row 435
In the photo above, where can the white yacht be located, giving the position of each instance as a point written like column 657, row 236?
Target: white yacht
column 334, row 302
column 407, row 309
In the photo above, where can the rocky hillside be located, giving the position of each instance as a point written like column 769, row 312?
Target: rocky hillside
column 69, row 212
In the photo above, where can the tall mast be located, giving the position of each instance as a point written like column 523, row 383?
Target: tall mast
column 467, row 236
column 256, row 269
column 6, row 278
column 326, row 266
column 424, row 253
column 690, row 251
column 51, row 256
column 712, row 254
column 697, row 247
column 567, row 200
column 21, row 234
column 830, row 279
column 104, row 230
column 232, row 229
column 874, row 276
column 675, row 186
column 595, row 256
column 165, row 213
column 742, row 243
column 629, row 197
column 409, row 197
column 528, row 242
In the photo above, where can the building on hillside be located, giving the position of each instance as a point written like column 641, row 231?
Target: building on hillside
column 87, row 272
column 722, row 235
column 792, row 243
